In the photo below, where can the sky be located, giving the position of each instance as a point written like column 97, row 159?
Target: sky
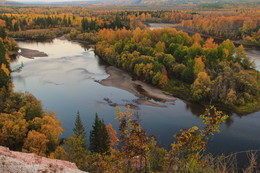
column 46, row 0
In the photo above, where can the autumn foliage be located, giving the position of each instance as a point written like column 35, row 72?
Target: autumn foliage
column 24, row 126
column 166, row 56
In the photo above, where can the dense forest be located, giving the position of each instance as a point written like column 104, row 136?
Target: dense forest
column 189, row 67
column 230, row 21
column 26, row 127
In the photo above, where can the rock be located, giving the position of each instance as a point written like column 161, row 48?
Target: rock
column 18, row 162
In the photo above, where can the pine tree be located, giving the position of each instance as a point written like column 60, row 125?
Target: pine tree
column 76, row 144
column 99, row 137
column 2, row 33
column 83, row 24
column 79, row 130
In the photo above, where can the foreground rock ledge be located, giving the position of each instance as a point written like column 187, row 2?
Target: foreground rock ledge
column 18, row 162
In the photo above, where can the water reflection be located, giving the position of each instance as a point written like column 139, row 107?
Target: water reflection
column 196, row 109
column 65, row 81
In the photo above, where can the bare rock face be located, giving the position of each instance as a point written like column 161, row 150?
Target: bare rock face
column 18, row 162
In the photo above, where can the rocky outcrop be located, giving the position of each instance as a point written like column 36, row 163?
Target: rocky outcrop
column 18, row 162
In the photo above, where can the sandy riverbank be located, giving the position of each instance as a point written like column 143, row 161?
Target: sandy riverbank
column 120, row 79
column 29, row 53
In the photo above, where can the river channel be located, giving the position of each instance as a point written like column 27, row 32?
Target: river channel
column 68, row 80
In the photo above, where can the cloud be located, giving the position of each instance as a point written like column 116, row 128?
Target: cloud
column 44, row 0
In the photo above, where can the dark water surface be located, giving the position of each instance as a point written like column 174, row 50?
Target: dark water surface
column 65, row 81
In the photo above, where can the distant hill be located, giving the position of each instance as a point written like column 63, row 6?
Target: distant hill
column 154, row 2
column 9, row 2
column 127, row 2
column 173, row 2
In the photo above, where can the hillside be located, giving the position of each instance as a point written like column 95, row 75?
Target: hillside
column 10, row 2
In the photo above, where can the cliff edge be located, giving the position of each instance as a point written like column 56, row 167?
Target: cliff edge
column 18, row 162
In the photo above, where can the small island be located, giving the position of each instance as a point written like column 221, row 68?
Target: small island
column 29, row 53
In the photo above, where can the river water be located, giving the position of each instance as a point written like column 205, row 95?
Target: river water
column 66, row 82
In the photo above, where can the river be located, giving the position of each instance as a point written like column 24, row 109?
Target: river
column 67, row 81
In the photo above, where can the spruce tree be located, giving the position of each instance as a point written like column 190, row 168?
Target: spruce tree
column 79, row 130
column 76, row 144
column 99, row 137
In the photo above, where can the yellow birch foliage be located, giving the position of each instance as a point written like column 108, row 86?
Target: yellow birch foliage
column 35, row 143
column 5, row 69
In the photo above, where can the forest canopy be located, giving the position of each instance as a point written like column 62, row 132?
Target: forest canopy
column 184, row 65
column 172, row 60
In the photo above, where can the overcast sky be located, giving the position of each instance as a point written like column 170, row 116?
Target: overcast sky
column 46, row 0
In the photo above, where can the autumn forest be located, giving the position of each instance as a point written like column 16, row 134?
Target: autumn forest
column 199, row 56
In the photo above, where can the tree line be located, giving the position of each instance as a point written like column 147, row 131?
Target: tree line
column 239, row 22
column 134, row 150
column 189, row 67
column 24, row 125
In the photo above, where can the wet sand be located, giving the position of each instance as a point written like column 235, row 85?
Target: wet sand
column 120, row 79
column 29, row 53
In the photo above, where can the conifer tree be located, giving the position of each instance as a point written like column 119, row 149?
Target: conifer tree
column 79, row 130
column 76, row 144
column 99, row 137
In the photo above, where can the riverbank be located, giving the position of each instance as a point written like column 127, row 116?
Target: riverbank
column 120, row 79
column 40, row 34
column 183, row 91
column 162, row 72
column 145, row 92
column 80, row 92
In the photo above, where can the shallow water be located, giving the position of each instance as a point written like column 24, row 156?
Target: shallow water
column 65, row 81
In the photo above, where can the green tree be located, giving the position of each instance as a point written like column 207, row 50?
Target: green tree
column 76, row 152
column 226, row 50
column 76, row 144
column 177, row 70
column 240, row 54
column 187, row 74
column 243, row 59
column 201, row 87
column 3, row 53
column 99, row 137
column 79, row 130
column 2, row 33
